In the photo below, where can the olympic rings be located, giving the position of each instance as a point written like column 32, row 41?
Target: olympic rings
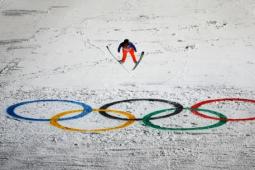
column 54, row 121
column 197, row 105
column 130, row 118
column 11, row 110
column 147, row 122
column 178, row 108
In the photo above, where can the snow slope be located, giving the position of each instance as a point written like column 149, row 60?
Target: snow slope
column 195, row 50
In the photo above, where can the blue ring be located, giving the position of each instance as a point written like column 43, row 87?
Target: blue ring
column 11, row 109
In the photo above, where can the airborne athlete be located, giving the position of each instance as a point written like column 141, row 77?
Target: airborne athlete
column 127, row 47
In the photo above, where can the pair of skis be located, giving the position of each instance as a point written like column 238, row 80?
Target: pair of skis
column 141, row 57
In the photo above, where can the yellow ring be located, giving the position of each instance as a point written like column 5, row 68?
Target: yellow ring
column 54, row 121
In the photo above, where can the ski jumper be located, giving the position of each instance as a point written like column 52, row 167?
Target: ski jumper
column 130, row 48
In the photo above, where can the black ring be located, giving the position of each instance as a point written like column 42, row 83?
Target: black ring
column 178, row 109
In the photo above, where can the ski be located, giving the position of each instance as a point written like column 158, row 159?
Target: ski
column 116, row 58
column 141, row 57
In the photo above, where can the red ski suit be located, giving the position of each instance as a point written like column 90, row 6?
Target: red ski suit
column 131, row 49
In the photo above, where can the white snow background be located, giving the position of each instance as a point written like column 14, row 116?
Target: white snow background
column 195, row 50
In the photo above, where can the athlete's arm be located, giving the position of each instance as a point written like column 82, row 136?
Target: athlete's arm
column 133, row 46
column 121, row 44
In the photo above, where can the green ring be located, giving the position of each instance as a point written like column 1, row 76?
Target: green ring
column 147, row 122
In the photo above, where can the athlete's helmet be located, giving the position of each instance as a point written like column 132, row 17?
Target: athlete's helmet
column 126, row 41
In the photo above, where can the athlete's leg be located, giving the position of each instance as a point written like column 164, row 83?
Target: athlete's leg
column 132, row 52
column 124, row 55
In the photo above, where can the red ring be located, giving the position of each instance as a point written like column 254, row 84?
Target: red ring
column 197, row 105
